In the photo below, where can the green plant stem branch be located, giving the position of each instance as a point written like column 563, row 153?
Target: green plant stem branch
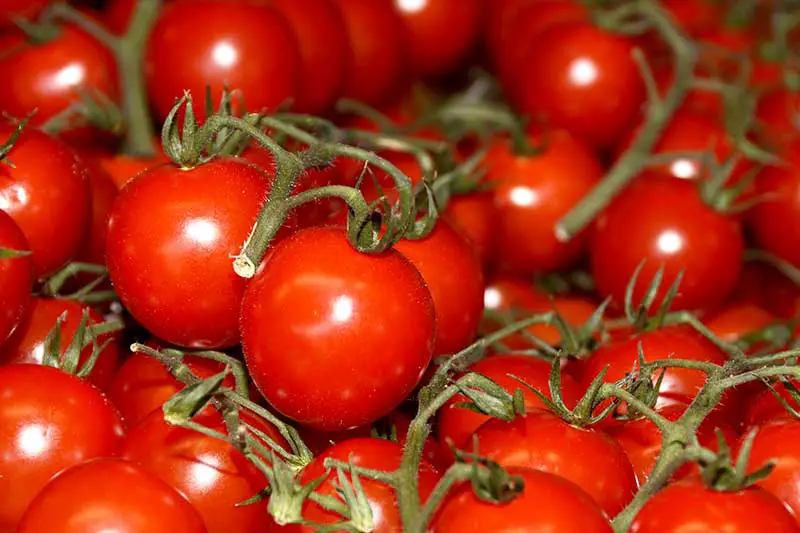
column 688, row 364
column 457, row 473
column 609, row 390
column 387, row 478
column 55, row 283
column 237, row 367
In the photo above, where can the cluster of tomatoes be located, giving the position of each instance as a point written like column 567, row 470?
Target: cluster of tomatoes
column 456, row 320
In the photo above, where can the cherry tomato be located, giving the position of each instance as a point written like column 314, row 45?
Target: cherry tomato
column 541, row 440
column 691, row 506
column 734, row 322
column 456, row 424
column 473, row 216
column 209, row 472
column 15, row 277
column 455, row 279
column 104, row 192
column 12, row 10
column 122, row 168
column 531, row 194
column 47, row 193
column 27, row 343
column 381, row 56
column 778, row 111
column 694, row 15
column 428, row 21
column 208, row 43
column 547, row 503
column 777, row 440
column 581, row 78
column 110, row 495
column 171, row 236
column 49, row 421
column 309, row 313
column 664, row 222
column 432, row 451
column 763, row 406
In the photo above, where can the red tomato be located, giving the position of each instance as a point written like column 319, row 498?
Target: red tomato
column 11, row 10
column 547, row 503
column 694, row 15
column 778, row 111
column 665, row 222
column 455, row 279
column 122, row 168
column 432, row 451
column 104, row 192
column 27, row 343
column 209, row 472
column 428, row 21
column 15, row 277
column 171, row 237
column 195, row 44
column 473, row 215
column 456, row 424
column 110, row 495
column 376, row 454
column 309, row 314
column 734, row 322
column 381, row 57
column 691, row 506
column 49, row 421
column 543, row 441
column 763, row 285
column 47, row 193
column 580, row 78
column 763, row 407
column 777, row 440
column 531, row 194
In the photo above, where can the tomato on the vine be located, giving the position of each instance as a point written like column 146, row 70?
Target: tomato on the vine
column 15, row 276
column 473, row 215
column 777, row 111
column 13, row 10
column 776, row 441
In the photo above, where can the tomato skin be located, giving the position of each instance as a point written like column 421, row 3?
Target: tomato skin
column 777, row 110
column 690, row 506
column 547, row 503
column 104, row 192
column 763, row 406
column 455, row 279
column 456, row 424
column 580, row 78
column 209, row 472
column 49, row 421
column 308, row 314
column 117, row 496
column 735, row 321
column 665, row 222
column 777, row 440
column 473, row 215
column 381, row 58
column 15, row 277
column 198, row 43
column 122, row 168
column 48, row 196
column 26, row 344
column 376, row 454
column 171, row 237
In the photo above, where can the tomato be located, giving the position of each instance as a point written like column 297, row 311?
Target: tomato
column 581, row 78
column 734, row 322
column 763, row 285
column 381, row 57
column 547, row 503
column 10, row 10
column 110, row 495
column 541, row 440
column 778, row 110
column 456, row 425
column 309, row 314
column 209, row 472
column 455, row 279
column 691, row 506
column 428, row 21
column 47, row 193
column 763, row 406
column 122, row 168
column 665, row 222
column 207, row 43
column 773, row 222
column 432, row 451
column 52, row 76
column 694, row 15
column 49, row 421
column 376, row 454
column 531, row 194
column 171, row 237
column 777, row 440
column 15, row 277
column 473, row 216
column 27, row 343
column 104, row 192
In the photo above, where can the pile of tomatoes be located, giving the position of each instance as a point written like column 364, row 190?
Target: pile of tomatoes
column 399, row 265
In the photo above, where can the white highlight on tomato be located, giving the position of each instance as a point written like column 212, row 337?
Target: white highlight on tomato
column 32, row 440
column 670, row 242
column 205, row 471
column 411, row 6
column 491, row 298
column 71, row 75
column 523, row 196
column 684, row 169
column 225, row 55
column 583, row 71
column 202, row 231
column 342, row 309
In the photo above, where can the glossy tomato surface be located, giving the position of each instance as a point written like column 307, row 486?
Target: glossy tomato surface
column 777, row 441
column 473, row 215
column 15, row 276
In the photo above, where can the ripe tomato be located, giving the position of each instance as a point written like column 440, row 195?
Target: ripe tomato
column 453, row 275
column 221, row 44
column 665, row 222
column 15, row 277
column 735, row 321
column 777, row 112
column 531, row 194
column 542, row 441
column 209, row 472
column 777, row 440
column 381, row 57
column 473, row 215
column 694, row 15
column 47, row 193
column 691, row 506
column 122, row 168
column 110, row 495
column 49, row 421
column 581, row 78
column 309, row 314
column 104, row 192
column 27, row 343
column 376, row 454
column 763, row 406
column 547, row 503
column 456, row 424
column 428, row 21
column 171, row 236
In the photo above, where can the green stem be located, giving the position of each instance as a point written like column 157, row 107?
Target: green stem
column 456, row 474
column 609, row 390
column 387, row 478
